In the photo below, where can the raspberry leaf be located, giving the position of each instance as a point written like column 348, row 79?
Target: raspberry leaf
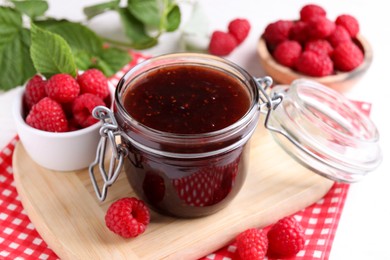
column 10, row 17
column 32, row 8
column 94, row 10
column 143, row 20
column 14, row 46
column 87, row 47
column 50, row 53
column 83, row 59
column 78, row 36
column 146, row 11
column 173, row 18
column 111, row 60
column 135, row 30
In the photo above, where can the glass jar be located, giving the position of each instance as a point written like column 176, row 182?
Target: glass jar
column 188, row 172
column 193, row 168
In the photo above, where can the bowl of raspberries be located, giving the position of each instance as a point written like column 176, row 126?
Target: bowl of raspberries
column 331, row 52
column 54, row 121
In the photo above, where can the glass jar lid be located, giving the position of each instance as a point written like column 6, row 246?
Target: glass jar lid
column 324, row 131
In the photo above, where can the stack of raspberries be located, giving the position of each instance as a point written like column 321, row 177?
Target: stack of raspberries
column 314, row 45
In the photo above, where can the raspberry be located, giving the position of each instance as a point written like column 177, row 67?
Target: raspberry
column 93, row 81
column 319, row 46
column 339, row 35
column 298, row 32
column 350, row 23
column 287, row 52
column 320, row 27
column 310, row 11
column 285, row 238
column 47, row 115
column 127, row 217
column 347, row 56
column 239, row 28
column 35, row 90
column 222, row 43
column 277, row 32
column 62, row 88
column 82, row 109
column 314, row 64
column 252, row 244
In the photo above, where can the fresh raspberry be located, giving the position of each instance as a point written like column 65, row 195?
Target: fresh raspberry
column 347, row 56
column 62, row 88
column 239, row 28
column 287, row 52
column 277, row 32
column 35, row 91
column 127, row 217
column 285, row 238
column 47, row 115
column 222, row 43
column 299, row 32
column 252, row 244
column 319, row 46
column 310, row 11
column 314, row 64
column 339, row 35
column 82, row 108
column 93, row 81
column 350, row 23
column 320, row 27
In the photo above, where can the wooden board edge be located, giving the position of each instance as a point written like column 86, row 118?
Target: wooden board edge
column 119, row 250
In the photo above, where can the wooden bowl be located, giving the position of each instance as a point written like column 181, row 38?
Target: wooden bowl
column 340, row 81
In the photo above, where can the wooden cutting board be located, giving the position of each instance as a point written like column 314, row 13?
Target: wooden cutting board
column 66, row 213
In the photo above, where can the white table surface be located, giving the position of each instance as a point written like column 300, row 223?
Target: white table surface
column 364, row 227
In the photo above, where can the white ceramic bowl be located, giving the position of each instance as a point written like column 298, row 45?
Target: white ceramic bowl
column 67, row 151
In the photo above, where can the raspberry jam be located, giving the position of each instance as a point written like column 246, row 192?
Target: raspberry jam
column 189, row 99
column 186, row 119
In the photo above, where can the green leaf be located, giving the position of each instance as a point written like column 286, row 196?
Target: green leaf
column 135, row 30
column 109, row 60
column 7, row 34
column 10, row 18
column 83, row 59
column 173, row 19
column 32, row 8
column 94, row 10
column 113, row 59
column 87, row 46
column 146, row 11
column 50, row 53
column 78, row 36
column 15, row 62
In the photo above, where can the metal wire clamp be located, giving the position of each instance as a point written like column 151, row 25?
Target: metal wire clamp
column 108, row 132
column 268, row 104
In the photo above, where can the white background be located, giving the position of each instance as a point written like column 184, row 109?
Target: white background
column 364, row 227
